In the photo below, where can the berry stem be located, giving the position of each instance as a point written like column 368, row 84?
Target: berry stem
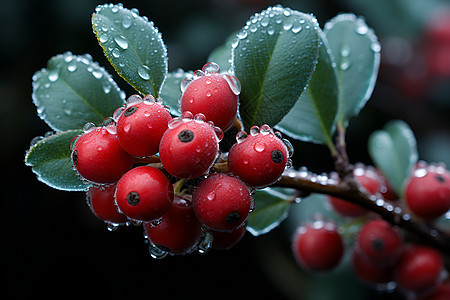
column 350, row 192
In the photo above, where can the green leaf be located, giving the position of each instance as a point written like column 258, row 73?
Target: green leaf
column 394, row 152
column 274, row 56
column 356, row 52
column 133, row 46
column 271, row 208
column 74, row 90
column 171, row 90
column 314, row 115
column 50, row 160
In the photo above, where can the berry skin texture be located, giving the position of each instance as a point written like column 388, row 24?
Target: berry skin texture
column 144, row 194
column 179, row 230
column 259, row 160
column 380, row 241
column 316, row 248
column 225, row 240
column 222, row 202
column 428, row 196
column 141, row 126
column 102, row 203
column 189, row 149
column 369, row 181
column 98, row 156
column 212, row 96
column 419, row 269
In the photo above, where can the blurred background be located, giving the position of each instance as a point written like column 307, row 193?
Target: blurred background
column 53, row 246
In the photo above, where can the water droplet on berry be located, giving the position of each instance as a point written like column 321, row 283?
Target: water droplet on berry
column 112, row 226
column 289, row 147
column 211, row 68
column 208, row 93
column 205, row 243
column 149, row 99
column 211, row 195
column 259, row 146
column 241, row 136
column 185, row 83
column 121, row 41
column 254, row 130
column 144, row 72
column 233, row 83
column 421, row 172
column 265, row 129
column 88, row 127
column 134, row 99
column 156, row 252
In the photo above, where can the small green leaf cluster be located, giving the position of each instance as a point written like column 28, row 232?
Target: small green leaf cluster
column 302, row 79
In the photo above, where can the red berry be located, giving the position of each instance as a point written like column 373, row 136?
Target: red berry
column 225, row 240
column 317, row 246
column 260, row 158
column 380, row 241
column 102, row 203
column 369, row 270
column 222, row 202
column 419, row 269
column 212, row 96
column 98, row 156
column 141, row 126
column 179, row 230
column 189, row 147
column 369, row 181
column 427, row 192
column 144, row 194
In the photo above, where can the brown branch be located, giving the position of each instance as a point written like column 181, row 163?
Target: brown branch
column 311, row 183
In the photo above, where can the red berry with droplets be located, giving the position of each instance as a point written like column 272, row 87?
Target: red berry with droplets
column 368, row 179
column 141, row 126
column 98, row 156
column 260, row 158
column 419, row 269
column 102, row 203
column 179, row 229
column 427, row 192
column 317, row 246
column 380, row 241
column 212, row 94
column 222, row 202
column 189, row 147
column 144, row 194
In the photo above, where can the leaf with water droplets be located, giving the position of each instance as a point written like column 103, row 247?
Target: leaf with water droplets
column 274, row 56
column 133, row 46
column 356, row 52
column 171, row 90
column 271, row 208
column 313, row 117
column 222, row 54
column 394, row 152
column 74, row 90
column 50, row 160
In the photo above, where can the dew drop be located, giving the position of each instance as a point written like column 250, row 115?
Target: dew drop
column 106, row 88
column 345, row 51
column 97, row 74
column 362, row 29
column 288, row 24
column 53, row 75
column 126, row 21
column 88, row 127
column 259, row 146
column 121, row 41
column 242, row 34
column 144, row 72
column 376, row 47
column 211, row 68
column 234, row 43
column 421, row 172
column 156, row 252
column 72, row 67
column 270, row 30
column 233, row 83
column 345, row 65
column 265, row 129
column 241, row 136
column 116, row 53
column 296, row 28
column 185, row 83
column 265, row 22
column 208, row 93
column 205, row 243
column 254, row 130
column 103, row 38
column 211, row 196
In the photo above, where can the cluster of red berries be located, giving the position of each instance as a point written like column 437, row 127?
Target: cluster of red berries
column 379, row 255
column 182, row 204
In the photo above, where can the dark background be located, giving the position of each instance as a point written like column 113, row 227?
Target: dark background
column 53, row 246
